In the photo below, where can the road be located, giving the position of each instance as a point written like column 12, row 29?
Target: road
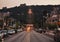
column 29, row 37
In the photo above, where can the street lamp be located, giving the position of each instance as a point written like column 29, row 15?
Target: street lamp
column 47, row 21
column 5, row 14
column 43, row 21
column 3, row 20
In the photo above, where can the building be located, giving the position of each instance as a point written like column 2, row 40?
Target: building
column 3, row 18
column 54, row 16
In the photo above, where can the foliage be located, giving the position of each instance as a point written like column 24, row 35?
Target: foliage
column 52, row 26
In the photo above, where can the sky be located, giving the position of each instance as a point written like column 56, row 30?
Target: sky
column 12, row 3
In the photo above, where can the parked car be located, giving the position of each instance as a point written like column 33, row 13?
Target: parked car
column 4, row 33
column 19, row 30
column 10, row 32
column 1, row 34
column 39, row 30
column 57, row 36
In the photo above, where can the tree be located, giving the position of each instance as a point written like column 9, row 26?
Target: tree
column 52, row 26
column 45, row 13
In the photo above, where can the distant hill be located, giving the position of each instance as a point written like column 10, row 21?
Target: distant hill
column 38, row 10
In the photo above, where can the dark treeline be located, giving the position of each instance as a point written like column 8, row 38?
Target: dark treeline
column 20, row 12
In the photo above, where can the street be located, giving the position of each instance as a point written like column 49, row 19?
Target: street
column 31, row 36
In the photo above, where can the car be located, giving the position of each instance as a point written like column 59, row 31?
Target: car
column 1, row 34
column 19, row 30
column 5, row 33
column 10, row 32
column 57, row 36
column 38, row 30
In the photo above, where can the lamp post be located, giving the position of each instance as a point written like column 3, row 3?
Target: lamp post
column 46, row 17
column 3, row 20
column 47, row 21
column 43, row 21
column 5, row 14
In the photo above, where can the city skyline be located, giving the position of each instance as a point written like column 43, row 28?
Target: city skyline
column 12, row 3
